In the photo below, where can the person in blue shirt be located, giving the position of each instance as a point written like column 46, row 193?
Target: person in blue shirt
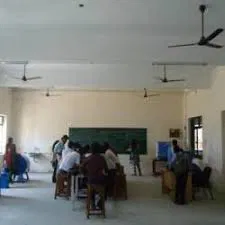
column 57, row 154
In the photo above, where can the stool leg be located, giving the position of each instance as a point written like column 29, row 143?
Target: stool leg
column 125, row 190
column 114, row 192
column 72, row 192
column 88, row 206
column 68, row 188
column 56, row 191
column 103, row 204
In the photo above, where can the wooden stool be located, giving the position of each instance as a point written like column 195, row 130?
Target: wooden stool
column 98, row 189
column 63, row 185
column 120, row 187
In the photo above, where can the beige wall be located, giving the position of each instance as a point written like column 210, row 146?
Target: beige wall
column 5, row 109
column 5, row 106
column 210, row 104
column 38, row 120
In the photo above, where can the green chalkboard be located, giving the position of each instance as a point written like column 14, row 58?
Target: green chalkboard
column 118, row 138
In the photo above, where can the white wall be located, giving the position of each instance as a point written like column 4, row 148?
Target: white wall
column 38, row 120
column 210, row 104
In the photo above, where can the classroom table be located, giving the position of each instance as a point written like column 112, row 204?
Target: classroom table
column 169, row 184
column 158, row 165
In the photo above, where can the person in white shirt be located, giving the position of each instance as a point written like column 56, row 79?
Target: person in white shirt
column 111, row 159
column 67, row 149
column 112, row 162
column 69, row 161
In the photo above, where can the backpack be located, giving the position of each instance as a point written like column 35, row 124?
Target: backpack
column 181, row 164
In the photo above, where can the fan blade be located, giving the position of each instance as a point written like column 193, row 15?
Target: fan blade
column 153, row 95
column 184, row 45
column 213, row 35
column 176, row 80
column 211, row 45
column 16, row 78
column 54, row 95
column 33, row 78
column 157, row 78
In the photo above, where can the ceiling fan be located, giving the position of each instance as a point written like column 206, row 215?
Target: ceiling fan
column 24, row 77
column 204, row 41
column 164, row 79
column 146, row 95
column 48, row 94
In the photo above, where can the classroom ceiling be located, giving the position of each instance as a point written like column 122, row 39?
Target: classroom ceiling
column 107, row 44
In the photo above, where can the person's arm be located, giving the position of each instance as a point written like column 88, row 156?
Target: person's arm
column 59, row 148
column 55, row 150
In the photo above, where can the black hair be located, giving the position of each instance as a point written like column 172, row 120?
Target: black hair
column 106, row 146
column 65, row 137
column 77, row 145
column 95, row 148
column 10, row 139
column 134, row 143
column 85, row 149
column 71, row 144
column 174, row 142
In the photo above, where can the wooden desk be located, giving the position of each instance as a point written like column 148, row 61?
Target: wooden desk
column 158, row 165
column 169, row 184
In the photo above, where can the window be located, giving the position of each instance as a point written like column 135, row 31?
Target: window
column 196, row 135
column 2, row 133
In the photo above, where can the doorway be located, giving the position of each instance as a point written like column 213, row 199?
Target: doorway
column 196, row 136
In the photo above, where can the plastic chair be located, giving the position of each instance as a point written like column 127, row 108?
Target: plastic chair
column 205, row 183
column 21, row 168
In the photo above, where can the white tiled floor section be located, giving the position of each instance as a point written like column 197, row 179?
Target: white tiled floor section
column 33, row 204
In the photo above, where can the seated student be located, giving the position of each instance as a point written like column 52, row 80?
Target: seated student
column 85, row 152
column 96, row 168
column 70, row 161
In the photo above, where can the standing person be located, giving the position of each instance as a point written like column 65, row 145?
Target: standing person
column 96, row 168
column 57, row 154
column 10, row 157
column 180, row 167
column 129, row 149
column 112, row 163
column 135, row 155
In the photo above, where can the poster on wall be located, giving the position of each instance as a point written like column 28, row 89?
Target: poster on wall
column 174, row 133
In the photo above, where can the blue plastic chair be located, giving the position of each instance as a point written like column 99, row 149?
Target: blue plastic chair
column 21, row 169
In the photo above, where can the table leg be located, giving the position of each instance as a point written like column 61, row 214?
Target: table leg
column 72, row 191
column 77, row 186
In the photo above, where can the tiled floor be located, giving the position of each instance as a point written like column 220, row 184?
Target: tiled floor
column 33, row 204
